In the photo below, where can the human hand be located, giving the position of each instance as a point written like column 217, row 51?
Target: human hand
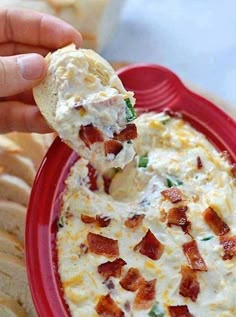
column 25, row 37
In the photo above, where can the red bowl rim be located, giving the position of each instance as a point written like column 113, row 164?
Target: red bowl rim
column 41, row 224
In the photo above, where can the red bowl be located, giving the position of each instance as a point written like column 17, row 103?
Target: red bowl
column 156, row 89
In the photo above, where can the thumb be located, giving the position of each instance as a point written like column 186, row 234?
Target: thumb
column 20, row 72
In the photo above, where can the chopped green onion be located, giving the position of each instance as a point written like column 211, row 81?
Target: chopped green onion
column 61, row 222
column 207, row 238
column 173, row 181
column 156, row 311
column 130, row 112
column 143, row 161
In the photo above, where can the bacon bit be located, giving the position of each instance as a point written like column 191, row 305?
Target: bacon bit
column 81, row 110
column 129, row 133
column 127, row 306
column 179, row 311
column 100, row 221
column 134, row 221
column 132, row 280
column 90, row 134
column 101, row 245
column 226, row 156
column 107, row 307
column 112, row 147
column 150, row 246
column 78, row 107
column 217, row 225
column 69, row 215
column 193, row 256
column 189, row 286
column 229, row 245
column 109, row 284
column 113, row 268
column 87, row 219
column 173, row 194
column 233, row 169
column 103, row 221
column 172, row 113
column 145, row 295
column 177, row 216
column 92, row 175
column 83, row 249
column 199, row 163
column 106, row 184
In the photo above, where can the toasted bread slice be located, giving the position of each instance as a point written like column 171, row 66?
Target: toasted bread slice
column 9, row 145
column 10, row 308
column 10, row 244
column 12, row 218
column 13, row 281
column 32, row 145
column 84, row 101
column 17, row 165
column 14, row 189
column 46, row 94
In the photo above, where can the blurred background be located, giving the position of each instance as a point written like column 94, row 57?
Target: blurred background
column 194, row 38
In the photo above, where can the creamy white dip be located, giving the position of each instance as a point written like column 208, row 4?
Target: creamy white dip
column 89, row 93
column 172, row 147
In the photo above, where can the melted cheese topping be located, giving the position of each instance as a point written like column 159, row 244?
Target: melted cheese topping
column 88, row 93
column 172, row 148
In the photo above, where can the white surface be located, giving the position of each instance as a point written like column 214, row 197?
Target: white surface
column 194, row 38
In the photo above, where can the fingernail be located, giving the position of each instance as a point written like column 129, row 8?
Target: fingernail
column 31, row 66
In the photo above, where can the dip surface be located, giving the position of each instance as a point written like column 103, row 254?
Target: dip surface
column 176, row 171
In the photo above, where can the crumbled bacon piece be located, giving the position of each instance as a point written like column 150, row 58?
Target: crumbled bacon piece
column 129, row 133
column 81, row 109
column 107, row 307
column 145, row 295
column 189, row 286
column 106, row 183
column 229, row 246
column 101, row 245
column 87, row 219
column 100, row 221
column 172, row 113
column 177, row 216
column 127, row 306
column 113, row 268
column 150, row 246
column 193, row 256
column 233, row 169
column 132, row 280
column 103, row 221
column 217, row 225
column 112, row 147
column 109, row 284
column 199, row 163
column 92, row 175
column 134, row 221
column 83, row 249
column 173, row 194
column 179, row 311
column 90, row 134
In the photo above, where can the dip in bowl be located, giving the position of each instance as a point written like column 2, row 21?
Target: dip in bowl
column 152, row 238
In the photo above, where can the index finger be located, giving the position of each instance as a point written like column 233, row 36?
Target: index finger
column 35, row 28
